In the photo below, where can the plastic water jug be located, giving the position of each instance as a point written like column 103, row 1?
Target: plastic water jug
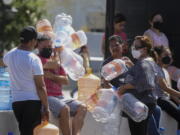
column 61, row 39
column 113, row 122
column 5, row 92
column 46, row 128
column 72, row 63
column 44, row 26
column 134, row 108
column 88, row 86
column 105, row 105
column 63, row 22
column 77, row 40
column 65, row 35
column 113, row 69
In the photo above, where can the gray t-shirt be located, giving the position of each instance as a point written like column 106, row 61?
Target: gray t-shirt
column 143, row 75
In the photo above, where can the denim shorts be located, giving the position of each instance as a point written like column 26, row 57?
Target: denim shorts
column 57, row 103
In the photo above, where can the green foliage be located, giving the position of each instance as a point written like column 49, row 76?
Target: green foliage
column 15, row 16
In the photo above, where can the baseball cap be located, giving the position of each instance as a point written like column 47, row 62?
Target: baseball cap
column 28, row 33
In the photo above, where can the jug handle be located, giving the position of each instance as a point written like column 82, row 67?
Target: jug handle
column 43, row 123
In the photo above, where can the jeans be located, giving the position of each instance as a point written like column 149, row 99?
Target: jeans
column 153, row 124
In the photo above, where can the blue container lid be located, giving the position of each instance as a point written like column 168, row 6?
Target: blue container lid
column 10, row 133
column 162, row 129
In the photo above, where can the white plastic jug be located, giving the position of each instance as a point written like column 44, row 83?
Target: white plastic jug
column 46, row 128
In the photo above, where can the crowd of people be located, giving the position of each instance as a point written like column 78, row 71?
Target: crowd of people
column 37, row 79
column 147, row 59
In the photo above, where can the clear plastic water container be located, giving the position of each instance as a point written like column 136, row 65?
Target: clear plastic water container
column 72, row 63
column 105, row 106
column 65, row 35
column 5, row 92
column 63, row 22
column 113, row 69
column 77, row 40
column 113, row 122
column 134, row 108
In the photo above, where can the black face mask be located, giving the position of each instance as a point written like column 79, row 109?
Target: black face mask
column 158, row 25
column 46, row 52
column 166, row 60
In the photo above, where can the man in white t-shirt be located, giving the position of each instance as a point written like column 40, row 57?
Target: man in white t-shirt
column 28, row 87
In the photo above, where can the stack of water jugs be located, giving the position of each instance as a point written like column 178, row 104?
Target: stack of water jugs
column 5, row 92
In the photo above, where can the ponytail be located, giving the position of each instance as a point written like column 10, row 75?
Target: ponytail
column 153, row 54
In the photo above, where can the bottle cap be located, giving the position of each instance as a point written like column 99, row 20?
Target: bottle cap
column 162, row 129
column 89, row 70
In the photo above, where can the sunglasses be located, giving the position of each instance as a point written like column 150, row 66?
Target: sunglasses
column 137, row 47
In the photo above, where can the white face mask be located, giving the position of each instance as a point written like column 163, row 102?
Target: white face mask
column 136, row 53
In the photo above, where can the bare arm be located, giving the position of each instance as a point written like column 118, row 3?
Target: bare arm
column 105, row 84
column 128, row 62
column 41, row 91
column 123, row 88
column 2, row 63
column 59, row 79
column 177, row 100
column 165, row 87
column 51, row 65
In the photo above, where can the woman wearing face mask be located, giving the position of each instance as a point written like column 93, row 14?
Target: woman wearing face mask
column 145, row 75
column 164, row 60
column 155, row 32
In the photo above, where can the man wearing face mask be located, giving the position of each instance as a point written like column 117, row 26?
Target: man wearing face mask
column 28, row 87
column 155, row 32
column 55, row 77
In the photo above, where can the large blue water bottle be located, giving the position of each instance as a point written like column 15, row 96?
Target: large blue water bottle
column 5, row 92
